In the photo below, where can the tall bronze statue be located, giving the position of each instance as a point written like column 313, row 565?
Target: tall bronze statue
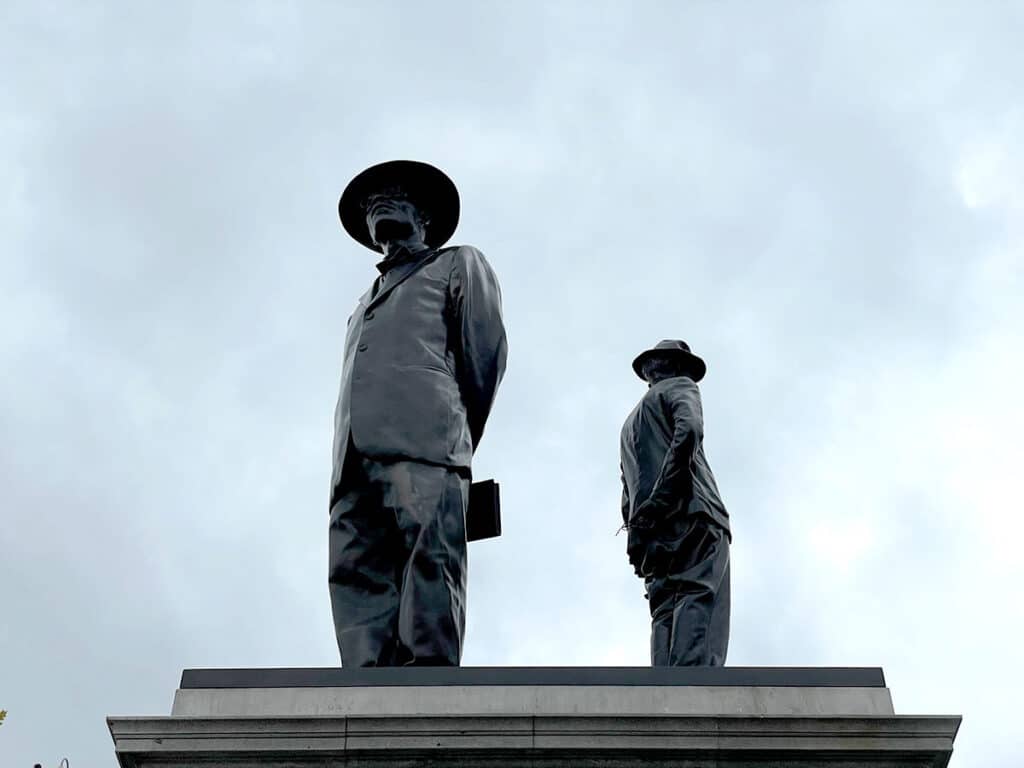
column 678, row 528
column 424, row 354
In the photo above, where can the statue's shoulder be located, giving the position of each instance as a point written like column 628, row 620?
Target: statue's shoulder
column 464, row 253
column 652, row 398
column 677, row 387
column 468, row 260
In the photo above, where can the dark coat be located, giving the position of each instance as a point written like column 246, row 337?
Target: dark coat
column 423, row 360
column 665, row 475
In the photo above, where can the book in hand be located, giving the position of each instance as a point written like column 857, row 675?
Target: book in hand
column 483, row 516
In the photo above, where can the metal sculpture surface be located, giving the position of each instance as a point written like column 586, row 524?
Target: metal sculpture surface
column 678, row 528
column 424, row 354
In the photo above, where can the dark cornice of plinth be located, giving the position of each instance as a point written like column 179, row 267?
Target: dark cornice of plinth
column 332, row 677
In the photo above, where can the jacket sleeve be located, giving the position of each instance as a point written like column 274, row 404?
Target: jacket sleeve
column 481, row 347
column 681, row 402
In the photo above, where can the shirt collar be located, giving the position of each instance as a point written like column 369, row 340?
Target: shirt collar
column 401, row 255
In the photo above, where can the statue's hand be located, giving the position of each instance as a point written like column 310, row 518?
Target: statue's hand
column 645, row 517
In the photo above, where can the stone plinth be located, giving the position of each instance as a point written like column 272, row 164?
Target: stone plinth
column 603, row 717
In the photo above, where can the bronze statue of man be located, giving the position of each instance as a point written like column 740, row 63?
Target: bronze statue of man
column 424, row 354
column 678, row 528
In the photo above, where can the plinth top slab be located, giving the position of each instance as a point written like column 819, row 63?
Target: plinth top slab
column 362, row 677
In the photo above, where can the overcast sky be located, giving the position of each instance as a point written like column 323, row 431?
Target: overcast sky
column 824, row 199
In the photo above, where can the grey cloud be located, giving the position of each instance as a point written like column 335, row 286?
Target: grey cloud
column 778, row 185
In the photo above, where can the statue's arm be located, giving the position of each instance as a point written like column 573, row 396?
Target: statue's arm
column 482, row 346
column 674, row 481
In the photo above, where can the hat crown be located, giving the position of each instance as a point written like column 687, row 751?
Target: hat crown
column 676, row 349
column 672, row 345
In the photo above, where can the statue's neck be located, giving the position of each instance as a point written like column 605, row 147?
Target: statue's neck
column 394, row 247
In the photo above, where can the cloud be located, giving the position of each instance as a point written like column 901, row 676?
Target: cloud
column 824, row 201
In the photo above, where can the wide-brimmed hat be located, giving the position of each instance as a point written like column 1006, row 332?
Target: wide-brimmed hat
column 429, row 188
column 672, row 349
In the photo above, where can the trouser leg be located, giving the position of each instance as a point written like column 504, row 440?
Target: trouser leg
column 700, row 623
column 364, row 565
column 690, row 605
column 662, row 605
column 429, row 504
column 718, row 632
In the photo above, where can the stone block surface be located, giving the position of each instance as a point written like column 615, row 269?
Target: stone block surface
column 560, row 718
column 528, row 700
column 562, row 741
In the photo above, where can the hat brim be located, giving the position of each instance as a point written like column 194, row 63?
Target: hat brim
column 693, row 365
column 428, row 187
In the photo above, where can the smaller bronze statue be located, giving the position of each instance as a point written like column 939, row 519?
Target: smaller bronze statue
column 678, row 528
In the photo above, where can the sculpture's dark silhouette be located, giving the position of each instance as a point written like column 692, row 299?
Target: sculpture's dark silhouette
column 424, row 354
column 678, row 528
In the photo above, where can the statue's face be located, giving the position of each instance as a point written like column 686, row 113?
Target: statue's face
column 391, row 216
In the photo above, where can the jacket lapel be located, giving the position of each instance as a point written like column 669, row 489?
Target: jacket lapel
column 398, row 275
